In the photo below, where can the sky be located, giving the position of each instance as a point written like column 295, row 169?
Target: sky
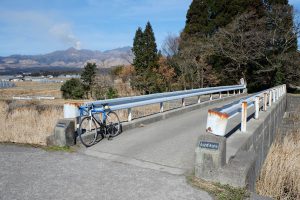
column 42, row 26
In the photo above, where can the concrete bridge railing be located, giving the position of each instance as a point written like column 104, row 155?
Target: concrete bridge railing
column 238, row 137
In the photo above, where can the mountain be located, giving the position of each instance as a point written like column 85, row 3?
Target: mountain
column 68, row 58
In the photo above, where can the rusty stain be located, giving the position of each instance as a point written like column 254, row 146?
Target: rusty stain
column 209, row 130
column 219, row 114
column 77, row 104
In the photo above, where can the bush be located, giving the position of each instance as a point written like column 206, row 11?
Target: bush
column 72, row 89
column 111, row 93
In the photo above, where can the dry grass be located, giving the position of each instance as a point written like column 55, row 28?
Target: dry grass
column 219, row 191
column 29, row 123
column 280, row 175
column 32, row 89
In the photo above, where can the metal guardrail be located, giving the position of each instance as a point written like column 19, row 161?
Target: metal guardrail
column 218, row 118
column 143, row 100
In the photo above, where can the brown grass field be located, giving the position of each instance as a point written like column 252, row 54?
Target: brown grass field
column 280, row 175
column 32, row 89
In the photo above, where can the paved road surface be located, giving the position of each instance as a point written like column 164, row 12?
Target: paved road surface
column 29, row 174
column 167, row 145
column 132, row 166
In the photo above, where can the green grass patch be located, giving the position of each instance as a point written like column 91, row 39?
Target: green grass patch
column 219, row 191
column 57, row 148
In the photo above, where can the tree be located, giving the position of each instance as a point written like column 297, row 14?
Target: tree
column 256, row 47
column 137, row 49
column 150, row 51
column 145, row 60
column 170, row 46
column 205, row 17
column 88, row 77
column 72, row 89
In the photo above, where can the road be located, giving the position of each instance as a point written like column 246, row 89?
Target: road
column 167, row 145
column 32, row 174
column 142, row 163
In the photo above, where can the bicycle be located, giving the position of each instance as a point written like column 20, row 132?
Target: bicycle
column 91, row 130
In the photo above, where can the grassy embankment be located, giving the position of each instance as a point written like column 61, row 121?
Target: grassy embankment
column 280, row 174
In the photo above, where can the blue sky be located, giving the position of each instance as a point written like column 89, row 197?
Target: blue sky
column 42, row 26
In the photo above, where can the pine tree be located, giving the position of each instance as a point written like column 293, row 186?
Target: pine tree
column 150, row 52
column 138, row 50
column 88, row 76
column 146, row 59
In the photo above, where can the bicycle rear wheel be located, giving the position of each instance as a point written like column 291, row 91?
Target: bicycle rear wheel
column 87, row 131
column 113, row 126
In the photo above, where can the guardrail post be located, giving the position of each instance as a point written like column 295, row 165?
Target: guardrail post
column 183, row 102
column 265, row 101
column 220, row 95
column 199, row 99
column 161, row 107
column 129, row 114
column 210, row 97
column 273, row 95
column 277, row 92
column 270, row 98
column 228, row 93
column 233, row 92
column 244, row 117
column 239, row 91
column 256, row 103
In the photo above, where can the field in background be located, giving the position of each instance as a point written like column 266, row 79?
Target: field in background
column 32, row 89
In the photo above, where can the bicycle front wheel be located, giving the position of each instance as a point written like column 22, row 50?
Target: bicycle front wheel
column 113, row 126
column 87, row 131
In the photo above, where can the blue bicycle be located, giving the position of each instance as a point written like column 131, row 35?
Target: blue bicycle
column 97, row 123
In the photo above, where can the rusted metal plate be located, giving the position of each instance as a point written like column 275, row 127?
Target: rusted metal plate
column 217, row 122
column 71, row 110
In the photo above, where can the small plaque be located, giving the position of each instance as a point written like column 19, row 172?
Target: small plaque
column 61, row 125
column 209, row 145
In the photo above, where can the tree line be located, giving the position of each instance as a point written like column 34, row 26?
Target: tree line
column 222, row 41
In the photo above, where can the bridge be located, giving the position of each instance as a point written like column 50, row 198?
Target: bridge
column 211, row 132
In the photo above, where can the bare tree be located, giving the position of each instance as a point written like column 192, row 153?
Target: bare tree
column 257, row 44
column 170, row 45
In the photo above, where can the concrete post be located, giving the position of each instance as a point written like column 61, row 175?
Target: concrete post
column 220, row 95
column 210, row 97
column 183, row 102
column 161, row 107
column 233, row 92
column 265, row 101
column 64, row 133
column 239, row 91
column 244, row 117
column 210, row 155
column 256, row 103
column 273, row 95
column 270, row 98
column 228, row 93
column 199, row 99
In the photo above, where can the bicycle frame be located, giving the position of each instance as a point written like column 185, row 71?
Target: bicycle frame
column 90, row 111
